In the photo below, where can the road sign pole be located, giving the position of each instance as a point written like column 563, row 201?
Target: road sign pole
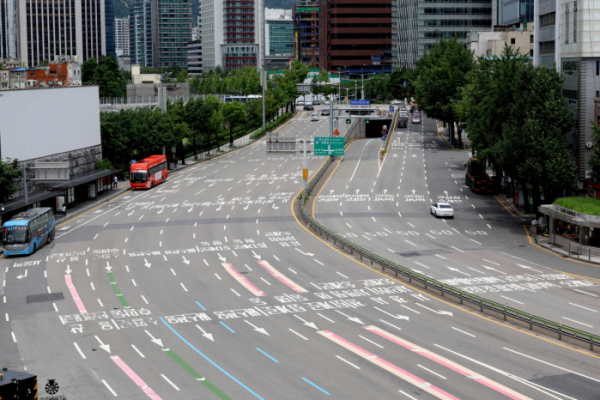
column 331, row 119
column 305, row 171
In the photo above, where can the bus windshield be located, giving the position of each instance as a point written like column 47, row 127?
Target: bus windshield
column 139, row 177
column 16, row 234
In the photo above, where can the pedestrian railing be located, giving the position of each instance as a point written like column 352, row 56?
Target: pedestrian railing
column 445, row 290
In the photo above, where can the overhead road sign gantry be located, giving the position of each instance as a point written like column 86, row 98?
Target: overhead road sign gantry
column 329, row 146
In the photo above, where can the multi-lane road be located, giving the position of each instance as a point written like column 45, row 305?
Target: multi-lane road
column 210, row 286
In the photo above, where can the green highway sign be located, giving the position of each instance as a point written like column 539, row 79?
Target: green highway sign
column 348, row 121
column 329, row 146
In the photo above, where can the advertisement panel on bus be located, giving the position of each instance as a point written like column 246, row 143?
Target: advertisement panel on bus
column 147, row 173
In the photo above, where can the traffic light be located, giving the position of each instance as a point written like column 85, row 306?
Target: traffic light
column 348, row 121
column 367, row 121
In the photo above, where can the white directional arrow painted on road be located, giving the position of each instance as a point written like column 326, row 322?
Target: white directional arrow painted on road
column 526, row 267
column 413, row 191
column 103, row 346
column 191, row 208
column 446, row 192
column 311, row 324
column 146, row 263
column 22, row 276
column 255, row 255
column 223, row 259
column 397, row 316
column 209, row 336
column 154, row 340
column 108, row 267
column 161, row 210
column 131, row 213
column 457, row 270
column 256, row 328
column 353, row 319
column 435, row 311
column 186, row 261
column 247, row 205
column 331, row 191
column 276, row 208
column 385, row 191
column 357, row 190
column 414, row 155
column 306, row 254
column 219, row 209
column 68, row 270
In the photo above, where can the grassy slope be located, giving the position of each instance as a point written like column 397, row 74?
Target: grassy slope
column 585, row 205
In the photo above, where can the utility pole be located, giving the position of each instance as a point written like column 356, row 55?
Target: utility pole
column 263, row 78
column 305, row 171
column 331, row 119
column 25, row 184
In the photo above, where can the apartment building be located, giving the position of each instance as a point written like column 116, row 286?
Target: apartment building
column 122, row 36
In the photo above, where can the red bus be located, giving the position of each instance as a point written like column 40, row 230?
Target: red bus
column 148, row 172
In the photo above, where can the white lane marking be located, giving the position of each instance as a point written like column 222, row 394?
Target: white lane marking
column 55, row 307
column 291, row 330
column 171, row 383
column 585, row 308
column 430, row 235
column 491, row 262
column 476, row 270
column 443, row 258
column 411, row 224
column 407, row 395
column 572, row 320
column 481, row 216
column 342, row 275
column 475, row 241
column 488, row 225
column 145, row 301
column 265, row 281
column 217, row 275
column 508, row 298
column 422, row 265
column 374, row 219
column 238, row 295
column 410, row 243
column 109, row 388
column 275, row 257
column 348, row 362
column 317, row 261
column 547, row 363
column 370, row 341
column 393, row 326
column 466, row 333
column 79, row 350
column 322, row 316
column 522, row 259
column 139, row 352
column 577, row 290
column 428, row 370
column 366, row 237
column 348, row 225
column 184, row 288
column 455, row 248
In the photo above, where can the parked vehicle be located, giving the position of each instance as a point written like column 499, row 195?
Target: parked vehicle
column 442, row 210
column 476, row 177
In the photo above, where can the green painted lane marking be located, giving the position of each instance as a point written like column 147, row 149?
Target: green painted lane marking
column 196, row 375
column 117, row 291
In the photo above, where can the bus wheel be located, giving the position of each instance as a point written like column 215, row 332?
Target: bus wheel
column 49, row 237
column 34, row 248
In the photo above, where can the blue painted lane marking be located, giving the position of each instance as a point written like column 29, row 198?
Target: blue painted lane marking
column 267, row 355
column 306, row 380
column 211, row 361
column 201, row 306
column 223, row 323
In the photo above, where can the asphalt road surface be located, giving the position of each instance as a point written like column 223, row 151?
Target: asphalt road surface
column 209, row 287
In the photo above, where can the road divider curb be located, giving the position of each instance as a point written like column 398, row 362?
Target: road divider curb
column 562, row 331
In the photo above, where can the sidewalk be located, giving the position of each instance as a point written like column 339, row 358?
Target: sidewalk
column 443, row 133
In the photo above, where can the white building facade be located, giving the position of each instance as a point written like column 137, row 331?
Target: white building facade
column 122, row 36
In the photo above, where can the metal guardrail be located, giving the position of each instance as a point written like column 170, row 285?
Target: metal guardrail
column 430, row 283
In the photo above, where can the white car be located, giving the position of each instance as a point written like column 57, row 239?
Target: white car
column 442, row 210
column 314, row 117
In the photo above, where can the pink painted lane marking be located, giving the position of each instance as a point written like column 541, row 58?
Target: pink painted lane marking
column 282, row 278
column 75, row 295
column 399, row 372
column 135, row 378
column 448, row 364
column 242, row 279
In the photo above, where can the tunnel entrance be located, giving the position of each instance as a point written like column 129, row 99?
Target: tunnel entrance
column 374, row 127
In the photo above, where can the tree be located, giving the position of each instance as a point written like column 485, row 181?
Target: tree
column 1, row 66
column 106, row 73
column 534, row 141
column 442, row 72
column 595, row 157
column 9, row 172
column 486, row 102
column 234, row 114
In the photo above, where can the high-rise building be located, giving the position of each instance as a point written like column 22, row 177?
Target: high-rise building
column 174, row 23
column 355, row 37
column 515, row 12
column 47, row 28
column 8, row 29
column 122, row 36
column 232, row 32
column 306, row 31
column 425, row 22
column 279, row 31
column 196, row 33
column 565, row 39
column 109, row 18
column 141, row 41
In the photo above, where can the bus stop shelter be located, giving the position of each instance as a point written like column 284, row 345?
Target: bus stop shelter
column 583, row 229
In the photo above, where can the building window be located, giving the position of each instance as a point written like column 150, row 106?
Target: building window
column 512, row 41
column 531, row 53
column 548, row 19
column 597, row 68
column 530, row 38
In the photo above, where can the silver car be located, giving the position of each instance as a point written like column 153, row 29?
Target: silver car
column 442, row 210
